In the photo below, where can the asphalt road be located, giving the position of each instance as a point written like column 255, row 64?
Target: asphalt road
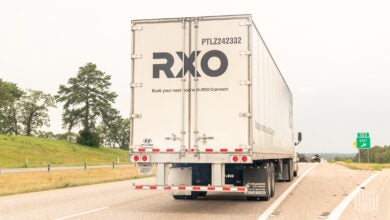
column 373, row 201
column 315, row 196
column 320, row 192
column 119, row 201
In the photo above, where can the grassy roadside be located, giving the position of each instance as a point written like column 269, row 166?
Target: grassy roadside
column 364, row 166
column 15, row 183
column 21, row 151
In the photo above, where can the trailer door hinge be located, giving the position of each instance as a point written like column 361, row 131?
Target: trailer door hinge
column 137, row 28
column 246, row 114
column 245, row 52
column 245, row 83
column 135, row 85
column 136, row 116
column 196, row 23
column 136, row 56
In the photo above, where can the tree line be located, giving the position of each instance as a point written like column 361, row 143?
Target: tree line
column 86, row 101
column 376, row 154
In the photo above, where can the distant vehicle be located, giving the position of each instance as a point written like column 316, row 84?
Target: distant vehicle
column 315, row 158
column 302, row 158
column 209, row 108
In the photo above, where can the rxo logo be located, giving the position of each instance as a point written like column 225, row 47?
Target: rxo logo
column 189, row 64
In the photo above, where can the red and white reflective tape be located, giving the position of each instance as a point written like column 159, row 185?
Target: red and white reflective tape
column 171, row 150
column 193, row 188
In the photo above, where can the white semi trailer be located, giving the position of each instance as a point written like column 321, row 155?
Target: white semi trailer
column 210, row 109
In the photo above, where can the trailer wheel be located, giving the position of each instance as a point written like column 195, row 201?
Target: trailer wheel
column 197, row 194
column 268, row 183
column 272, row 179
column 251, row 198
column 291, row 170
column 288, row 171
column 181, row 197
column 194, row 195
column 202, row 193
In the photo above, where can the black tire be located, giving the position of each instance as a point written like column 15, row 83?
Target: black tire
column 181, row 197
column 272, row 179
column 291, row 170
column 202, row 193
column 251, row 198
column 194, row 195
column 268, row 183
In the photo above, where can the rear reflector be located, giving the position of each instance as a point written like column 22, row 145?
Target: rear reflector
column 209, row 150
column 238, row 150
column 193, row 188
column 223, row 150
column 141, row 149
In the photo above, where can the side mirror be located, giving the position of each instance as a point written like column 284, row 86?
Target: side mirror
column 299, row 138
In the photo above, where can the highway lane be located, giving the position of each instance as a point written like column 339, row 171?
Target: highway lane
column 118, row 201
column 320, row 192
column 373, row 201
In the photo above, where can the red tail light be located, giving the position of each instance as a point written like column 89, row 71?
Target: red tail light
column 244, row 159
column 144, row 158
column 136, row 158
column 235, row 158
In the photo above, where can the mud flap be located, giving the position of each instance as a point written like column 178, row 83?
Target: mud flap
column 257, row 179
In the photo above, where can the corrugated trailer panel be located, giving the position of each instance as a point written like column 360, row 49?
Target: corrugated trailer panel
column 272, row 105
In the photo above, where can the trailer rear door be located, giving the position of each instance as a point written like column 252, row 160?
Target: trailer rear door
column 159, row 104
column 220, row 107
column 191, row 84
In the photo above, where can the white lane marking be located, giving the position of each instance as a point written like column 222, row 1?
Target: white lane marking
column 82, row 213
column 338, row 211
column 271, row 208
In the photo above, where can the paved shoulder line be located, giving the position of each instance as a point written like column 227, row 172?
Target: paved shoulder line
column 82, row 213
column 282, row 197
column 338, row 211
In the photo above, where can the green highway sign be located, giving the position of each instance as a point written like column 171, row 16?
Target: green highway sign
column 363, row 135
column 363, row 141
